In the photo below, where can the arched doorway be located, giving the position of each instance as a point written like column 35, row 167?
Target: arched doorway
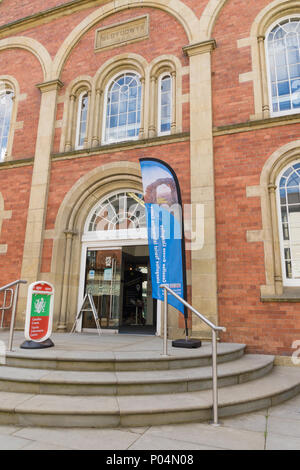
column 115, row 265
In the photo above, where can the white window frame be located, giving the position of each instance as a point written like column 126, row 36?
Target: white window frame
column 79, row 109
column 112, row 235
column 166, row 74
column 288, row 111
column 2, row 92
column 285, row 281
column 106, row 141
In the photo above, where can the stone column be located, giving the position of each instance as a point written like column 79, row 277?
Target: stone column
column 62, row 322
column 68, row 145
column 97, row 111
column 173, row 117
column 153, row 106
column 37, row 209
column 263, row 77
column 88, row 122
column 204, row 272
column 277, row 261
column 142, row 131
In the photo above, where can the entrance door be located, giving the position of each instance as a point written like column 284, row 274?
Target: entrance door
column 139, row 309
column 103, row 281
column 119, row 280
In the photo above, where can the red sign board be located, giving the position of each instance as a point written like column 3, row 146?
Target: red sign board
column 39, row 312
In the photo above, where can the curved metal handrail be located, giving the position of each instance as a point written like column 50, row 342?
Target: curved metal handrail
column 11, row 284
column 14, row 306
column 214, row 329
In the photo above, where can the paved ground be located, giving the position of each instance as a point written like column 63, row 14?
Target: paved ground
column 275, row 428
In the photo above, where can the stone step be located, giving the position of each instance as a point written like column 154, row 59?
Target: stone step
column 146, row 410
column 84, row 360
column 244, row 369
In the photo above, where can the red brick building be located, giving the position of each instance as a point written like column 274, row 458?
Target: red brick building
column 211, row 87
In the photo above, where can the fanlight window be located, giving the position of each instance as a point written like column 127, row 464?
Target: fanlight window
column 283, row 51
column 119, row 215
column 289, row 201
column 123, row 109
column 83, row 103
column 165, row 104
column 6, row 105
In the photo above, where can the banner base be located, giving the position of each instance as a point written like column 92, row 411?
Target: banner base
column 35, row 345
column 186, row 343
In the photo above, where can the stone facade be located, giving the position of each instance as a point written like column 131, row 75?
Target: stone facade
column 224, row 145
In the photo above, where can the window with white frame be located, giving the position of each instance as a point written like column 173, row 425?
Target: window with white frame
column 288, row 197
column 6, row 105
column 118, row 215
column 82, row 114
column 283, row 63
column 165, row 104
column 123, row 108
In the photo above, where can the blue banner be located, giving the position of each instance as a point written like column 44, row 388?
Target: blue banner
column 165, row 230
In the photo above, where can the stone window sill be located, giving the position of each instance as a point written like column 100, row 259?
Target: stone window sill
column 290, row 294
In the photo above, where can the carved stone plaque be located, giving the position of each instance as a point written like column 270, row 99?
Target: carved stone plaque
column 122, row 33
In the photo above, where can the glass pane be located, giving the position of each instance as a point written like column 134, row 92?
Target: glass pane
column 125, row 100
column 284, row 65
column 6, row 101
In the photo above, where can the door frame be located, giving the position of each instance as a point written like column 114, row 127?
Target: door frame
column 102, row 246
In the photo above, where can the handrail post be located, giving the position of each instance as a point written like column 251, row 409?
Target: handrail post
column 215, row 421
column 13, row 318
column 165, row 345
column 214, row 329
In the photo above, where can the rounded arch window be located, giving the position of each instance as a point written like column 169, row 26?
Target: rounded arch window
column 288, row 198
column 283, row 58
column 123, row 108
column 165, row 104
column 6, row 106
column 82, row 118
column 120, row 215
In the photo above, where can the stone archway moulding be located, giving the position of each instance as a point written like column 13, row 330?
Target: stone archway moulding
column 85, row 186
column 176, row 8
column 33, row 46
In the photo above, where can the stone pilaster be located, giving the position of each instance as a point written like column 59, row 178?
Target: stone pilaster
column 39, row 192
column 204, row 271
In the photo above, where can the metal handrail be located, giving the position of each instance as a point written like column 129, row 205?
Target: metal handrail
column 4, row 306
column 14, row 306
column 214, row 329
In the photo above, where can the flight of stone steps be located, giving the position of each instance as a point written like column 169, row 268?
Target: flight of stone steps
column 95, row 389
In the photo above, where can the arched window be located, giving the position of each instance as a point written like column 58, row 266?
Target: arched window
column 288, row 197
column 82, row 115
column 120, row 215
column 283, row 58
column 164, row 104
column 123, row 108
column 6, row 105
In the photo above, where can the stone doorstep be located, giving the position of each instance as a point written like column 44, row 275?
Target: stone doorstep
column 241, row 370
column 49, row 410
column 109, row 361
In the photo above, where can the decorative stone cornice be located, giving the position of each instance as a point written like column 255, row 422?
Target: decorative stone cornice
column 47, row 15
column 199, row 48
column 50, row 86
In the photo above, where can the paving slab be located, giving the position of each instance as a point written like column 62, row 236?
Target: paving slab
column 281, row 425
column 147, row 442
column 8, row 442
column 248, row 422
column 205, row 434
column 282, row 442
column 86, row 439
